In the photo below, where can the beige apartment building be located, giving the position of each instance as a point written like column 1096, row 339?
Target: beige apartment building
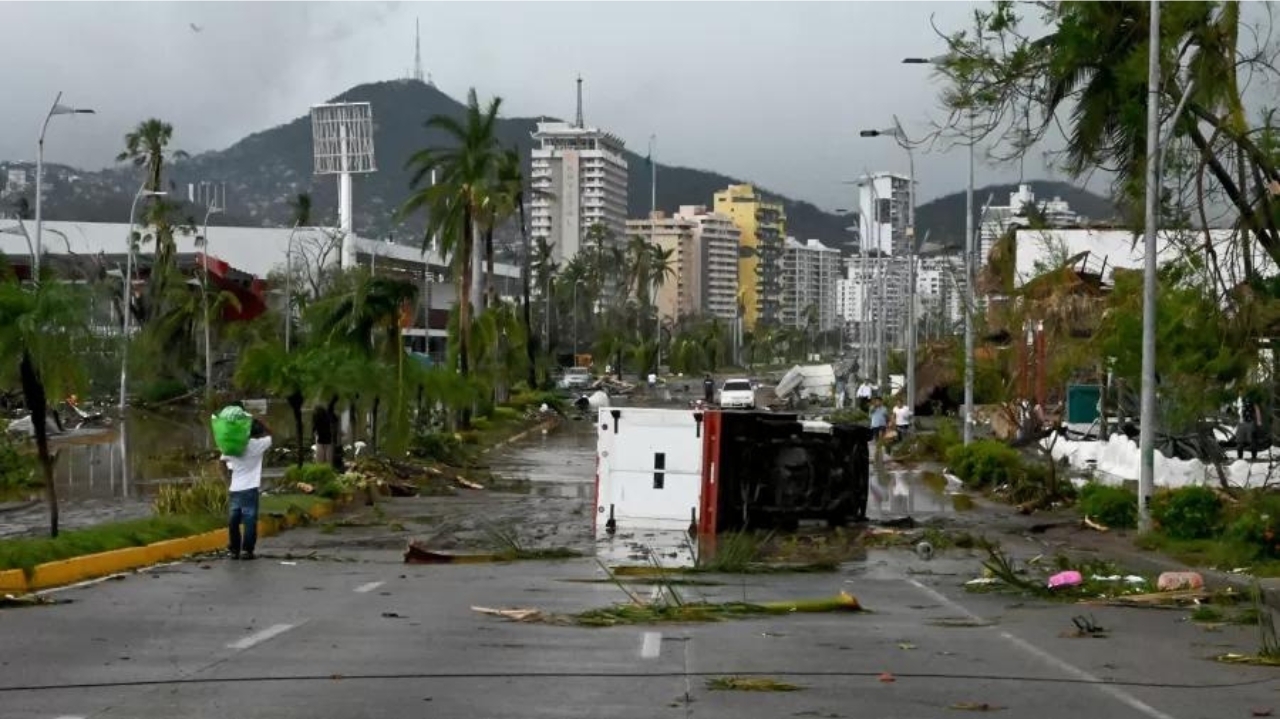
column 704, row 248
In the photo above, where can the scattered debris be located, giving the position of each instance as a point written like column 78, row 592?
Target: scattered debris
column 750, row 684
column 1069, row 578
column 906, row 646
column 1096, row 526
column 976, row 707
column 418, row 554
column 515, row 615
column 982, row 582
column 1161, row 600
column 1176, row 581
column 888, row 678
column 924, row 550
column 1260, row 712
column 1086, row 627
column 959, row 623
column 12, row 601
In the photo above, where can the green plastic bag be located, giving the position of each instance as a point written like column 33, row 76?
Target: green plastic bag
column 231, row 429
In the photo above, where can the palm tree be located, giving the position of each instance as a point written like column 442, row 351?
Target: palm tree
column 511, row 179
column 39, row 328
column 147, row 146
column 454, row 204
column 267, row 367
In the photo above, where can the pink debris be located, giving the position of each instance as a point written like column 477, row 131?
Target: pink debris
column 1068, row 578
column 1175, row 581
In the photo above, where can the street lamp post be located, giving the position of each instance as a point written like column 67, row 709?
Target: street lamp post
column 204, row 293
column 128, row 294
column 1146, row 427
column 288, row 283
column 56, row 109
column 968, row 267
column 899, row 135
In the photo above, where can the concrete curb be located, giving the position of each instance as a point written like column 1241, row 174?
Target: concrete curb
column 93, row 566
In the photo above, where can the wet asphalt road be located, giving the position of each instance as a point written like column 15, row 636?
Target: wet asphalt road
column 362, row 634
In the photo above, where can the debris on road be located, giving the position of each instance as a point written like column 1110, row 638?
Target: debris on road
column 1097, row 527
column 416, row 553
column 887, row 678
column 1175, row 581
column 1085, row 627
column 750, row 684
column 976, row 707
column 1069, row 578
column 515, row 615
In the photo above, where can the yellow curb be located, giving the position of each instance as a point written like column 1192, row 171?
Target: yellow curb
column 93, row 566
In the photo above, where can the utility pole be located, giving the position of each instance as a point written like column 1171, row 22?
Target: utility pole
column 1147, row 418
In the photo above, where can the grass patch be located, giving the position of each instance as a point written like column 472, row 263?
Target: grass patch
column 656, row 579
column 754, row 553
column 283, row 503
column 26, row 553
column 1207, row 614
column 750, row 684
column 1224, row 553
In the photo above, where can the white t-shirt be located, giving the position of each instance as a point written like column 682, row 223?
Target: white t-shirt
column 246, row 470
column 864, row 391
column 902, row 415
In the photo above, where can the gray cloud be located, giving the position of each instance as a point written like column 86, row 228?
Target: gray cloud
column 772, row 92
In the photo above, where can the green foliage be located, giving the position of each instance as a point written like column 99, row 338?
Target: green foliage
column 533, row 399
column 161, row 390
column 1256, row 524
column 502, row 414
column 985, row 463
column 1188, row 512
column 440, row 446
column 17, row 468
column 1112, row 506
column 323, row 479
column 933, row 445
column 25, row 554
column 848, row 415
column 206, row 497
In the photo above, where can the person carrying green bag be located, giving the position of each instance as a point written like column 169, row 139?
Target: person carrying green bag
column 246, row 482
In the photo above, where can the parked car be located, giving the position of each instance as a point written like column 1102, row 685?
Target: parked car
column 738, row 394
column 576, row 378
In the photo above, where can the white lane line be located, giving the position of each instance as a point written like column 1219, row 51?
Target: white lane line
column 260, row 637
column 651, row 645
column 1109, row 689
column 366, row 588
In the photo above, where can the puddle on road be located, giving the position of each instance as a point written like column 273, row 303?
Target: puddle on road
column 914, row 492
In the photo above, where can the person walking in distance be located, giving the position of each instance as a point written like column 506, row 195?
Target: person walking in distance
column 879, row 418
column 246, row 483
column 902, row 418
column 1250, row 420
column 322, row 432
column 708, row 390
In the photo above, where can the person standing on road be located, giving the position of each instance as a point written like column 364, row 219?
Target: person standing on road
column 1250, row 420
column 902, row 418
column 708, row 389
column 879, row 419
column 864, row 396
column 246, row 484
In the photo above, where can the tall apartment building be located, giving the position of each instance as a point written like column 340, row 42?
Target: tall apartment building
column 884, row 206
column 716, row 241
column 704, row 253
column 763, row 226
column 579, row 178
column 997, row 220
column 677, row 295
column 940, row 293
column 810, row 272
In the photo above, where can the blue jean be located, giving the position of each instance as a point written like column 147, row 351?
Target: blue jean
column 244, row 508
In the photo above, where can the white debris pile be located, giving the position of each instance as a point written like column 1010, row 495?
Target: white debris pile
column 1117, row 460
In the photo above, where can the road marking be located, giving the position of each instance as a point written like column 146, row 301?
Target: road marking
column 1062, row 665
column 260, row 637
column 651, row 645
column 68, row 716
column 366, row 588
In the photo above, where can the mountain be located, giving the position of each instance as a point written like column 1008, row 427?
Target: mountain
column 263, row 171
column 943, row 218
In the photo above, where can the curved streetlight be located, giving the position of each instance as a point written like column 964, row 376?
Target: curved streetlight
column 128, row 294
column 900, row 136
column 968, row 265
column 57, row 109
column 204, row 294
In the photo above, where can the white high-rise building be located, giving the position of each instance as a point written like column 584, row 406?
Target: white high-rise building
column 810, row 272
column 884, row 206
column 579, row 178
column 997, row 220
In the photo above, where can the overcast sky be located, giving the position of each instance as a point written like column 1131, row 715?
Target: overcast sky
column 772, row 92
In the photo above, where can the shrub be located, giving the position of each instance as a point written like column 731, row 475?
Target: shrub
column 440, row 446
column 1257, row 524
column 985, row 463
column 505, row 414
column 322, row 478
column 1188, row 513
column 161, row 390
column 1112, row 506
column 207, row 497
column 481, row 424
column 17, row 468
column 534, row 399
column 930, row 445
column 848, row 415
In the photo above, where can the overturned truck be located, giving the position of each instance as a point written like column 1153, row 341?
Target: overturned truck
column 713, row 471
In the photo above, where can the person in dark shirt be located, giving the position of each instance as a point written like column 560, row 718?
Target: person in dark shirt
column 709, row 389
column 322, row 433
column 1250, row 420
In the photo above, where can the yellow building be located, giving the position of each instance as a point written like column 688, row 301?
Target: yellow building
column 764, row 228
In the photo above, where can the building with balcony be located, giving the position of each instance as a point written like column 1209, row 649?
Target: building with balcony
column 884, row 209
column 1019, row 213
column 762, row 226
column 810, row 273
column 704, row 253
column 579, row 179
column 678, row 294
